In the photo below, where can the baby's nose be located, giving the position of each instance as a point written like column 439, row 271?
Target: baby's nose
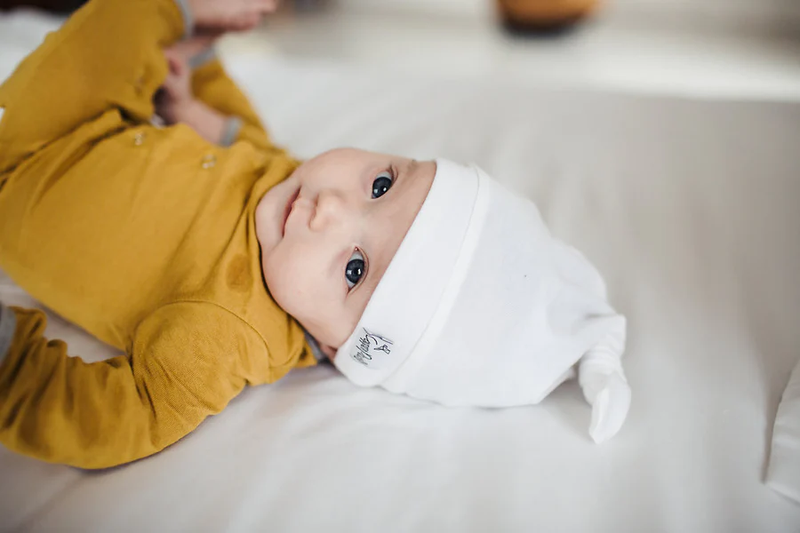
column 331, row 209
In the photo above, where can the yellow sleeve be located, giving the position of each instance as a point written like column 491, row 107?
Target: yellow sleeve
column 212, row 85
column 106, row 56
column 185, row 364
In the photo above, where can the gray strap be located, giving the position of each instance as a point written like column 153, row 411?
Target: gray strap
column 316, row 351
column 188, row 18
column 230, row 131
column 8, row 325
column 200, row 59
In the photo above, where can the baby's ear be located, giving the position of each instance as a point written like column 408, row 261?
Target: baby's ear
column 329, row 351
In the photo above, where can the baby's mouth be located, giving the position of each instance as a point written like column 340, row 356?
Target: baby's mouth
column 288, row 209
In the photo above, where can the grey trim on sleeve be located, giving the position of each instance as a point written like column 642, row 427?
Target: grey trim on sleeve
column 188, row 18
column 8, row 325
column 230, row 131
column 206, row 56
column 316, row 351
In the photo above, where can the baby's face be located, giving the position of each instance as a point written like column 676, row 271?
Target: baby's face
column 328, row 232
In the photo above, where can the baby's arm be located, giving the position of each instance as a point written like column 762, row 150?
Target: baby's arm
column 184, row 365
column 176, row 103
column 212, row 85
column 199, row 92
column 107, row 58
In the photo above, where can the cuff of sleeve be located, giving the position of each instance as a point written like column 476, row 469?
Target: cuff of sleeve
column 206, row 56
column 8, row 325
column 316, row 351
column 188, row 18
column 231, row 131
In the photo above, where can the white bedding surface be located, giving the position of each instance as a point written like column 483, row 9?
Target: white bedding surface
column 691, row 211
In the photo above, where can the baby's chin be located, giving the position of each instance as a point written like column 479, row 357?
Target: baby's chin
column 328, row 341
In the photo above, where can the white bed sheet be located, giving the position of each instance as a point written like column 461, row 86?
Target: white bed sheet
column 689, row 208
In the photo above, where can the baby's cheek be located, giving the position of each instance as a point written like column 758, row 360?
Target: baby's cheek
column 272, row 272
column 286, row 284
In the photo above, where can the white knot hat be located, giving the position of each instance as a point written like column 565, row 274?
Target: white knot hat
column 481, row 306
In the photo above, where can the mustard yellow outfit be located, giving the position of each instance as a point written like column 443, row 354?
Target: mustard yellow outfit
column 143, row 236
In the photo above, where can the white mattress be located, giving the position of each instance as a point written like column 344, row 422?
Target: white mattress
column 691, row 210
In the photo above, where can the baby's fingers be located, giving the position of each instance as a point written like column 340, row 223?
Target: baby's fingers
column 245, row 21
column 230, row 15
column 265, row 6
column 176, row 62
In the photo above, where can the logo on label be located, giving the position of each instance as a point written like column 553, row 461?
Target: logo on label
column 367, row 348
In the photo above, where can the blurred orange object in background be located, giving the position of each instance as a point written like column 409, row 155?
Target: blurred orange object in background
column 544, row 16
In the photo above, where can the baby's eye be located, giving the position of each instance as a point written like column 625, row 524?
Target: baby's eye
column 355, row 269
column 383, row 182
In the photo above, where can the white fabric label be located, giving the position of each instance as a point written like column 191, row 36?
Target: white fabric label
column 372, row 350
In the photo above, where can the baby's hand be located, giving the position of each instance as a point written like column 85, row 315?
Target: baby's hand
column 175, row 102
column 176, row 92
column 230, row 15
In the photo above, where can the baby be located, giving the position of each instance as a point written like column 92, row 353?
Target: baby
column 215, row 261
